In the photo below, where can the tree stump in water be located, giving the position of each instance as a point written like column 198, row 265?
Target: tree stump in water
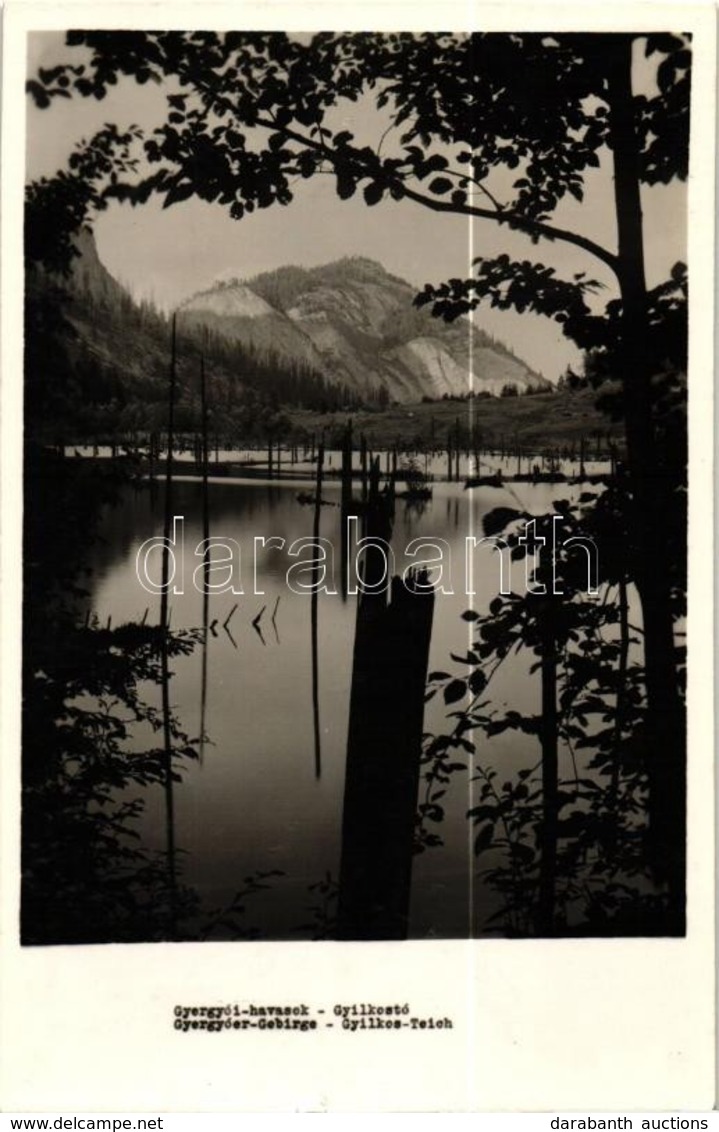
column 384, row 744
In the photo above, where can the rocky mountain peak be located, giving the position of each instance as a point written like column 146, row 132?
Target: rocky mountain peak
column 350, row 321
column 356, row 323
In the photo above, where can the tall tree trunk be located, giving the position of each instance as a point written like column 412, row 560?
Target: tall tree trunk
column 313, row 615
column 165, row 626
column 666, row 735
column 204, row 463
column 546, row 909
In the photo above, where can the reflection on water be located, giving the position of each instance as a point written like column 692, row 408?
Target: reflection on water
column 259, row 800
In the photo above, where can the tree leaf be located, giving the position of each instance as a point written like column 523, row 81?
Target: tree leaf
column 345, row 186
column 498, row 518
column 373, row 193
column 440, row 185
column 177, row 193
column 484, row 838
column 454, row 691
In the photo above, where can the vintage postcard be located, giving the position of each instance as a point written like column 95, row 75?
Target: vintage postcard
column 357, row 557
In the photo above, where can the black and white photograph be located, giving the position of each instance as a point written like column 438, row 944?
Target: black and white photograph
column 256, row 337
column 355, row 486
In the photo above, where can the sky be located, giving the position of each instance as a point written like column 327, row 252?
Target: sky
column 169, row 254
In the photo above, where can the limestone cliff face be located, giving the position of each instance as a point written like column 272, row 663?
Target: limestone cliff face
column 350, row 323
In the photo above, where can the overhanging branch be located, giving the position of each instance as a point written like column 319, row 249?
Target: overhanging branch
column 498, row 216
column 520, row 223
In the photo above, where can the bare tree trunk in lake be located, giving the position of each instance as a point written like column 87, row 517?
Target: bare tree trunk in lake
column 363, row 461
column 346, row 503
column 314, row 612
column 457, row 449
column 206, row 558
column 383, row 748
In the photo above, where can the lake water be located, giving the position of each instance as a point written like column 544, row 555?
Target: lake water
column 254, row 802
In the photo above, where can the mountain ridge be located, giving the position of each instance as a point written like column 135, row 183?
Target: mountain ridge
column 350, row 323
